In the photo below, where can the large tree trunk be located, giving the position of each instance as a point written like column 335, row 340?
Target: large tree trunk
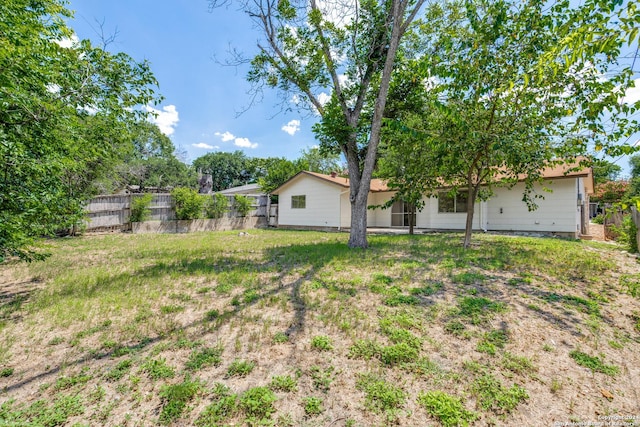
column 471, row 203
column 358, row 232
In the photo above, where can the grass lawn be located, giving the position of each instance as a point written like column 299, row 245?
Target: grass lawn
column 285, row 328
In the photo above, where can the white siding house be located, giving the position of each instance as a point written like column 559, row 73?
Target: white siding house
column 313, row 200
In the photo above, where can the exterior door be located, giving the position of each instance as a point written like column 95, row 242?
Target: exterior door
column 400, row 215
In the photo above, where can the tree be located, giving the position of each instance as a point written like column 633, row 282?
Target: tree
column 497, row 117
column 53, row 100
column 347, row 49
column 315, row 159
column 227, row 169
column 604, row 171
column 278, row 172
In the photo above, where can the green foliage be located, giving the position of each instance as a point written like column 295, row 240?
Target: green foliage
column 226, row 169
column 205, row 357
column 365, row 349
column 283, row 383
column 223, row 405
column 188, row 204
column 493, row 396
column 216, row 206
column 478, row 309
column 119, row 371
column 280, row 337
column 594, row 363
column 398, row 353
column 6, row 372
column 140, row 208
column 240, row 368
column 598, row 219
column 380, row 396
column 399, row 299
column 40, row 414
column 492, row 340
column 312, row 406
column 448, row 409
column 322, row 378
column 52, row 149
column 242, row 204
column 175, row 398
column 158, row 369
column 257, row 403
column 321, row 342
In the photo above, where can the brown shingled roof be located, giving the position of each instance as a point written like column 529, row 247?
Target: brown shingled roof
column 569, row 170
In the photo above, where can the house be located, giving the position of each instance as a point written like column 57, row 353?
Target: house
column 317, row 201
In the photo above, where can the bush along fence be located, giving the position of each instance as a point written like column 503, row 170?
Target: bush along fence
column 182, row 211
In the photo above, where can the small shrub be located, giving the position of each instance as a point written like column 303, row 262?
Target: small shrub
column 594, row 363
column 283, row 383
column 240, row 368
column 205, row 357
column 257, row 403
column 242, row 204
column 448, row 409
column 321, row 342
column 140, row 208
column 216, row 206
column 187, row 203
column 175, row 398
column 223, row 406
column 312, row 406
column 598, row 219
column 396, row 300
column 6, row 372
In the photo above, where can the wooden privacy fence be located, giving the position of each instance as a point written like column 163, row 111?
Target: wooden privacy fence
column 112, row 212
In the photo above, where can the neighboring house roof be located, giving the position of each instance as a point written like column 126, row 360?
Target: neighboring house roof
column 377, row 185
column 243, row 189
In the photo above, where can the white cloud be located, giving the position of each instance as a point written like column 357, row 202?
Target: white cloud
column 244, row 143
column 166, row 120
column 633, row 94
column 237, row 141
column 324, row 98
column 68, row 42
column 292, row 127
column 205, row 146
column 226, row 137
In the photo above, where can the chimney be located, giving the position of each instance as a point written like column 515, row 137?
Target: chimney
column 333, row 174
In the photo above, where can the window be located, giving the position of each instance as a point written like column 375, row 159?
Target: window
column 298, row 202
column 456, row 203
column 400, row 214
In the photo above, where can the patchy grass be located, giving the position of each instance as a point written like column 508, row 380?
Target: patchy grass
column 294, row 328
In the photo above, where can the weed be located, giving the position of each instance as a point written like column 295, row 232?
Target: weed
column 478, row 309
column 594, row 363
column 175, row 398
column 64, row 383
column 240, row 368
column 380, row 396
column 6, row 372
column 321, row 342
column 157, row 369
column 312, row 406
column 399, row 335
column 257, row 403
column 205, row 357
column 40, row 414
column 468, row 278
column 170, row 309
column 322, row 378
column 56, row 341
column 493, row 396
column 517, row 364
column 448, row 409
column 119, row 371
column 283, row 383
column 556, row 385
column 491, row 341
column 427, row 290
column 223, row 405
column 398, row 353
column 212, row 315
column 630, row 283
column 455, row 327
column 397, row 300
column 280, row 337
column 365, row 349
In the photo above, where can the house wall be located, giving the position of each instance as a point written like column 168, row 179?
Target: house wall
column 431, row 218
column 322, row 204
column 557, row 212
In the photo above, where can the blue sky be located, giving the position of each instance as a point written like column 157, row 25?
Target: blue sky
column 202, row 98
column 180, row 39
